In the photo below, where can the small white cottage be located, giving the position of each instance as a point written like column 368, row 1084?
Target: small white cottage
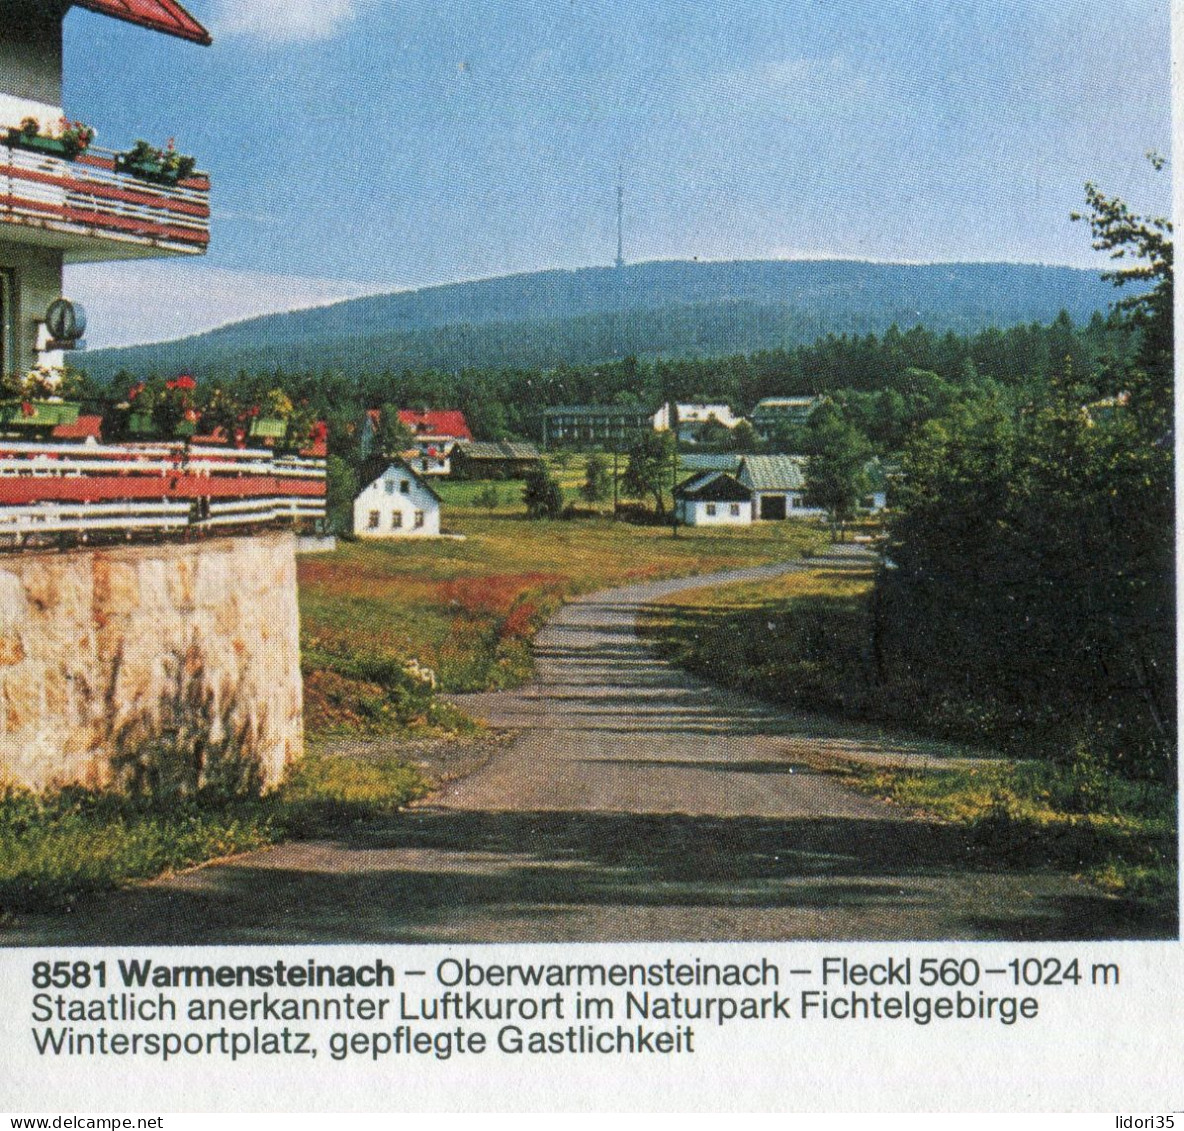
column 398, row 504
column 713, row 498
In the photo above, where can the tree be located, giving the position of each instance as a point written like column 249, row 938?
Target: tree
column 542, row 495
column 651, row 458
column 340, row 491
column 743, row 438
column 596, row 485
column 393, row 436
column 487, row 417
column 835, row 475
column 1029, row 585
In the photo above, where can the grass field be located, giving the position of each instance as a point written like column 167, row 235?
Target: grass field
column 56, row 847
column 468, row 609
column 804, row 640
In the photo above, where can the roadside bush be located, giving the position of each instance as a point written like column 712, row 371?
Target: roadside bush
column 542, row 495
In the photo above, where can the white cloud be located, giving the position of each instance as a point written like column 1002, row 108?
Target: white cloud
column 140, row 301
column 285, row 21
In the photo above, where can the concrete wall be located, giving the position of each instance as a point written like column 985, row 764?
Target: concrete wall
column 177, row 660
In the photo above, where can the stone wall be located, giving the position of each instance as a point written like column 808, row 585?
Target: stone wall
column 171, row 665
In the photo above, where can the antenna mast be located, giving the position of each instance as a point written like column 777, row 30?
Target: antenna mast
column 620, row 218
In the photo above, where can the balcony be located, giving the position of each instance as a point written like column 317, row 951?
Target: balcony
column 93, row 213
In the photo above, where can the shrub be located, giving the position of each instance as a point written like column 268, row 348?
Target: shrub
column 543, row 495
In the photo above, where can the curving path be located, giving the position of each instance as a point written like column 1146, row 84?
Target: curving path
column 635, row 802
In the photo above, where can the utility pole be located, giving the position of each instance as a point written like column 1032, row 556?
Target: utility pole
column 673, row 415
column 615, row 447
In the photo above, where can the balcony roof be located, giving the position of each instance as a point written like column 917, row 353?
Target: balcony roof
column 161, row 15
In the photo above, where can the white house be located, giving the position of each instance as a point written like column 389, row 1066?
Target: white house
column 693, row 418
column 398, row 504
column 774, row 411
column 778, row 486
column 713, row 498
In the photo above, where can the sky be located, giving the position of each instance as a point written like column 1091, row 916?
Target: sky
column 358, row 146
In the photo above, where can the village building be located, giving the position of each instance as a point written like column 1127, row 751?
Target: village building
column 476, row 459
column 603, row 426
column 435, row 432
column 774, row 412
column 690, row 420
column 713, row 498
column 778, row 486
column 398, row 504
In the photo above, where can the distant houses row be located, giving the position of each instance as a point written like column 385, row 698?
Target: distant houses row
column 444, row 443
column 399, row 503
column 613, row 426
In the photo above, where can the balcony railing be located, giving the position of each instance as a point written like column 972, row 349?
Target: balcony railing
column 130, row 490
column 86, row 199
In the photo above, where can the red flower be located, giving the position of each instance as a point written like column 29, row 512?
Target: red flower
column 318, row 432
column 182, row 382
column 27, row 409
column 191, row 415
column 135, row 391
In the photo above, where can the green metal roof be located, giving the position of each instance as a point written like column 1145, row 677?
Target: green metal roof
column 774, row 473
column 482, row 449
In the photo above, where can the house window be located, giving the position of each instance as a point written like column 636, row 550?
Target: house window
column 375, row 518
column 390, row 486
column 710, row 509
column 425, row 463
column 734, row 510
column 418, row 519
column 397, row 520
column 798, row 503
column 405, row 486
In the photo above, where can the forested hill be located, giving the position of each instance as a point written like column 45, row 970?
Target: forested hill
column 673, row 309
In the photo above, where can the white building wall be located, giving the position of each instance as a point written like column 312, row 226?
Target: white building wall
column 794, row 504
column 36, row 274
column 697, row 512
column 396, row 505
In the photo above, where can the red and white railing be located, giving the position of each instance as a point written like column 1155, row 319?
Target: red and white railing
column 87, row 197
column 151, row 488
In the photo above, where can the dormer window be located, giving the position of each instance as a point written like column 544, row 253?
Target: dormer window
column 405, row 486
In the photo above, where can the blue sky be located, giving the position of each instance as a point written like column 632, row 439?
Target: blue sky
column 368, row 145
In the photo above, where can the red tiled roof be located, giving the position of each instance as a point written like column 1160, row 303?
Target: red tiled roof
column 84, row 428
column 160, row 15
column 437, row 422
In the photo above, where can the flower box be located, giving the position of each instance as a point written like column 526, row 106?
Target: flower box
column 269, row 427
column 146, row 170
column 37, row 414
column 51, row 146
column 140, row 423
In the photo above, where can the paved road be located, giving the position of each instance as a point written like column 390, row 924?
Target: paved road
column 636, row 802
